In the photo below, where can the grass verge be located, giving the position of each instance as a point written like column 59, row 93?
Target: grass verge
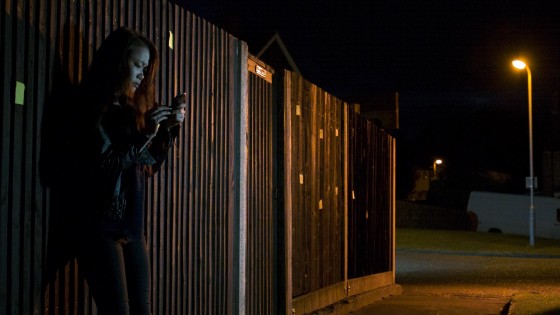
column 477, row 243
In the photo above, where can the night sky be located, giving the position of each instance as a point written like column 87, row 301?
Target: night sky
column 354, row 48
column 450, row 62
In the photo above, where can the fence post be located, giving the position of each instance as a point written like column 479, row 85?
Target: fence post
column 239, row 285
column 346, row 190
column 288, row 190
column 393, row 193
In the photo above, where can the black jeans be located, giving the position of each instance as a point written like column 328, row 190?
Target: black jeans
column 117, row 272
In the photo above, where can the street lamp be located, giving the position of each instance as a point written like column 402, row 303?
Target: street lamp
column 436, row 163
column 530, row 182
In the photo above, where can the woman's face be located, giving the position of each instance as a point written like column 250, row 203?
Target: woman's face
column 137, row 63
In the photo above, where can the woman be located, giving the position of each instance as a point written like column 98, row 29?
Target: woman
column 127, row 139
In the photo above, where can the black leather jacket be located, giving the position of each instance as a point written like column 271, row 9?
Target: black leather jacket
column 124, row 158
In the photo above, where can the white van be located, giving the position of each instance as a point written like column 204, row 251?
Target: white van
column 510, row 213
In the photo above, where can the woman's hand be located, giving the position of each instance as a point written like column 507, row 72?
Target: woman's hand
column 154, row 118
column 177, row 113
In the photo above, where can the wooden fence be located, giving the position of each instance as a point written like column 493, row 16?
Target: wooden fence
column 339, row 179
column 193, row 203
column 250, row 213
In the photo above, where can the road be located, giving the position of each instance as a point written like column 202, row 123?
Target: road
column 435, row 283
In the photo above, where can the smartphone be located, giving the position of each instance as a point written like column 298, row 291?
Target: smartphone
column 176, row 99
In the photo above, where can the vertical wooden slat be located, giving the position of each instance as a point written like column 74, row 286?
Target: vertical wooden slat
column 41, row 200
column 15, row 219
column 5, row 132
column 181, row 31
column 233, row 150
column 227, row 117
column 345, row 189
column 206, row 210
column 174, row 291
column 189, row 126
column 5, row 54
column 28, row 161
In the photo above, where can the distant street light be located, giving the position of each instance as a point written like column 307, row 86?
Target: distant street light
column 530, row 182
column 436, row 163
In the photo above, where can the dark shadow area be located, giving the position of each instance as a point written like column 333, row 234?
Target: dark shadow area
column 505, row 310
column 62, row 126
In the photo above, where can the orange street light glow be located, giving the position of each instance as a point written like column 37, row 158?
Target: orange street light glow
column 519, row 64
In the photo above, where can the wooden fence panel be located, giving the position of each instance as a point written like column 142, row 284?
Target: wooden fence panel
column 317, row 201
column 370, row 214
column 46, row 47
column 338, row 165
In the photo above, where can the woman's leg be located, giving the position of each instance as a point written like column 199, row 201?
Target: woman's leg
column 137, row 276
column 104, row 268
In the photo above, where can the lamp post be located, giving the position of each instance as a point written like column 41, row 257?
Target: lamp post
column 530, row 182
column 436, row 163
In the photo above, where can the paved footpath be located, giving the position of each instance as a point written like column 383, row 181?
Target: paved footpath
column 412, row 304
column 435, row 283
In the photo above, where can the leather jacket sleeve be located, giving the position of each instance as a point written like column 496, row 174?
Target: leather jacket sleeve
column 121, row 146
column 159, row 146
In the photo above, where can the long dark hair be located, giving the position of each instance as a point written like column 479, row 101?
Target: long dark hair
column 107, row 76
